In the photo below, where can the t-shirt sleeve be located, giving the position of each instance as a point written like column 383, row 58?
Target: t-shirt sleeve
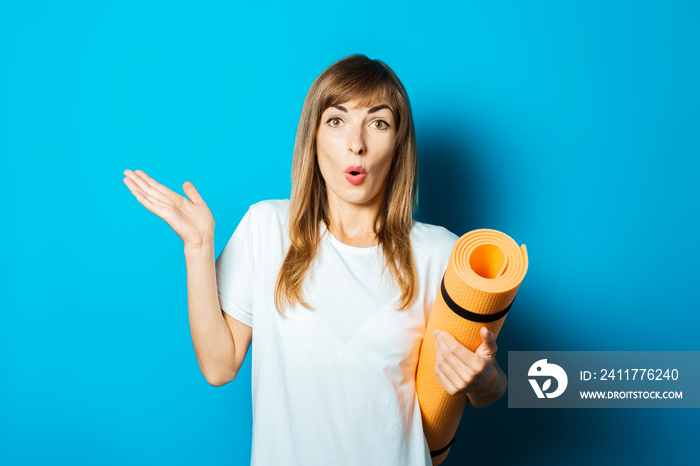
column 235, row 270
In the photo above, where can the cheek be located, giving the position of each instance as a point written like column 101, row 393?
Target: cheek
column 326, row 145
column 321, row 150
column 387, row 158
column 389, row 148
column 322, row 164
column 326, row 165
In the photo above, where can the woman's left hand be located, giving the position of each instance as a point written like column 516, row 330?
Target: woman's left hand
column 460, row 370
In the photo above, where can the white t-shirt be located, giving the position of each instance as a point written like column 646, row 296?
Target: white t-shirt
column 335, row 384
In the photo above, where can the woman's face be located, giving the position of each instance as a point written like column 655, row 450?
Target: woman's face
column 351, row 140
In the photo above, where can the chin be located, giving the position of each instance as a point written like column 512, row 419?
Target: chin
column 361, row 198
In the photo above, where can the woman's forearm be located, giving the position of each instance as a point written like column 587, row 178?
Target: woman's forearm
column 211, row 336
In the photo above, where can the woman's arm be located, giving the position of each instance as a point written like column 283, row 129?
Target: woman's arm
column 212, row 338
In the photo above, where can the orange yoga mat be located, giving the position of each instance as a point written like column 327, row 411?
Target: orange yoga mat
column 482, row 277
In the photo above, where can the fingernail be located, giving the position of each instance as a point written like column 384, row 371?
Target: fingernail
column 436, row 334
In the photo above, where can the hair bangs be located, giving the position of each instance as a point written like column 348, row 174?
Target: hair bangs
column 366, row 89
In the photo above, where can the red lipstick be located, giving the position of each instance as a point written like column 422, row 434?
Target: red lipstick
column 355, row 174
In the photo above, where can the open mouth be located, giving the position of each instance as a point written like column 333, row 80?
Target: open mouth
column 355, row 176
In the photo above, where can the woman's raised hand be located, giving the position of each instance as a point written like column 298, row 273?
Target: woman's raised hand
column 191, row 219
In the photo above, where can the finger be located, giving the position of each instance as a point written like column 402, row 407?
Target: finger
column 139, row 181
column 443, row 375
column 145, row 187
column 462, row 353
column 147, row 203
column 445, row 382
column 192, row 193
column 150, row 186
column 150, row 203
column 134, row 188
column 454, row 368
column 487, row 349
column 153, row 183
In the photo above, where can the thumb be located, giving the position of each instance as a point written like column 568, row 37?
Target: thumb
column 487, row 349
column 192, row 193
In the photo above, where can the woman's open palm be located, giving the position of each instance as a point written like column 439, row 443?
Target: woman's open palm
column 190, row 219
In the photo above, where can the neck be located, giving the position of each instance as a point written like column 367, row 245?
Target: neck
column 354, row 224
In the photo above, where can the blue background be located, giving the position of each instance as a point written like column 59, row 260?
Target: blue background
column 572, row 126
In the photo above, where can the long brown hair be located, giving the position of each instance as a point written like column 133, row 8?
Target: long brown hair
column 368, row 81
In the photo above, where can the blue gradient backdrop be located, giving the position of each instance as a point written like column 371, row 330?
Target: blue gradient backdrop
column 572, row 126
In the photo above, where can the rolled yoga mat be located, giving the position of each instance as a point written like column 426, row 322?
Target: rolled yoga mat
column 482, row 277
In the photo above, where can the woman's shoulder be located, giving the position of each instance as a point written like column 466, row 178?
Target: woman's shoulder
column 270, row 210
column 269, row 225
column 429, row 238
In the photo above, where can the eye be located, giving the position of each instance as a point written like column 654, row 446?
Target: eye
column 384, row 124
column 331, row 119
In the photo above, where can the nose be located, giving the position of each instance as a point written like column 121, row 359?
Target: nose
column 356, row 141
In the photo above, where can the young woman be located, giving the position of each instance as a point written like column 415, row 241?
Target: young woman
column 338, row 283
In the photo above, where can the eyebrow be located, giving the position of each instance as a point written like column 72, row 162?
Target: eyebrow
column 371, row 110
